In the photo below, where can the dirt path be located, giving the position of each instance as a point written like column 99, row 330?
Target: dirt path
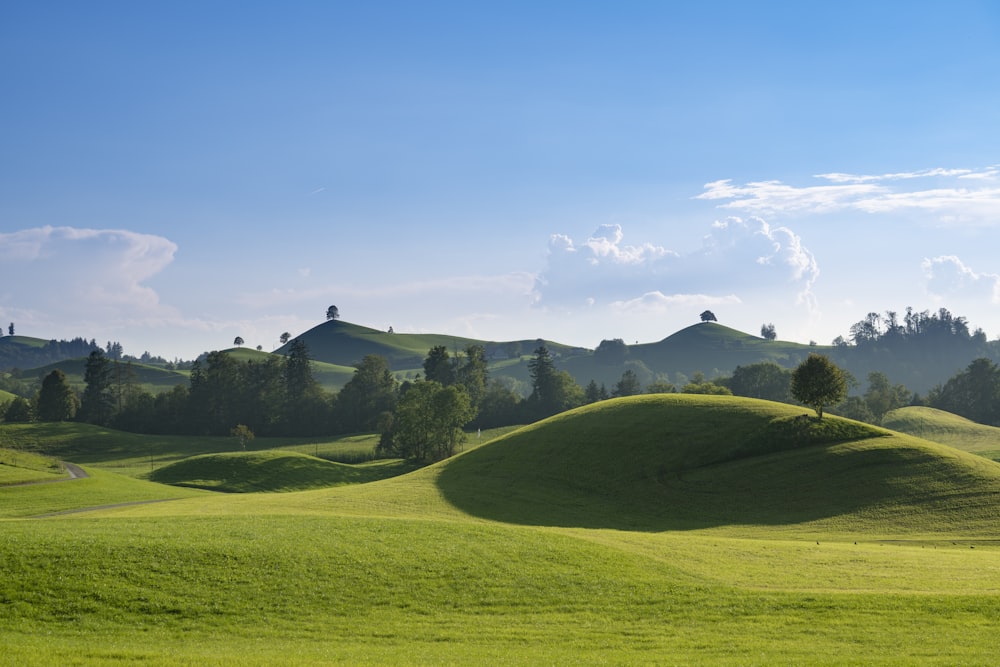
column 74, row 471
column 100, row 507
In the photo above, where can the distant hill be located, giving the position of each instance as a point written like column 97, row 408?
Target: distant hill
column 26, row 352
column 345, row 344
column 331, row 376
column 707, row 347
column 153, row 378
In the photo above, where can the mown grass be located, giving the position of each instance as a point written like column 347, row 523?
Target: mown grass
column 100, row 489
column 946, row 428
column 666, row 542
column 23, row 467
column 296, row 589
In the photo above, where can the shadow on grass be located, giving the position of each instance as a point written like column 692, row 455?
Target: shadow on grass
column 791, row 471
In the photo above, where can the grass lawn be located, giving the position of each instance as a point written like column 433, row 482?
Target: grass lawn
column 663, row 530
column 948, row 429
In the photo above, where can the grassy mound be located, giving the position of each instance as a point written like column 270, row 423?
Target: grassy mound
column 946, row 428
column 682, row 462
column 243, row 472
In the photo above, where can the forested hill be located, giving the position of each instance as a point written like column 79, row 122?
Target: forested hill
column 919, row 350
column 25, row 352
column 346, row 344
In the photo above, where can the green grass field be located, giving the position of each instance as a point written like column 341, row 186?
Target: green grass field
column 947, row 429
column 649, row 530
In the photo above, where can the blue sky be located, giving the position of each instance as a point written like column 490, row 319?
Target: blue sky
column 175, row 175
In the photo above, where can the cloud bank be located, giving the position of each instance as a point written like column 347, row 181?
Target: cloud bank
column 948, row 276
column 83, row 276
column 737, row 260
column 951, row 196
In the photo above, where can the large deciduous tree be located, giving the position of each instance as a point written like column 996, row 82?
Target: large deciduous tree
column 818, row 382
column 371, row 392
column 56, row 400
column 708, row 316
column 766, row 380
column 428, row 422
column 332, row 313
column 438, row 366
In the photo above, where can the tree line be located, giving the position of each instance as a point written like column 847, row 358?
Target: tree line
column 426, row 419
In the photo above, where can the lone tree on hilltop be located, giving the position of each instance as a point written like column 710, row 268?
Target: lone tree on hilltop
column 709, row 316
column 238, row 341
column 10, row 329
column 285, row 337
column 767, row 332
column 333, row 313
column 818, row 382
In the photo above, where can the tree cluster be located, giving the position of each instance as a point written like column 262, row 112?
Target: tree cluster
column 923, row 327
column 974, row 393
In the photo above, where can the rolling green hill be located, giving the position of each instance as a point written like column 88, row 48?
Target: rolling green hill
column 946, row 428
column 243, row 472
column 345, row 344
column 153, row 378
column 669, row 462
column 664, row 529
column 709, row 347
column 331, row 376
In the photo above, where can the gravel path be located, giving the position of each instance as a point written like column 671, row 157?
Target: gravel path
column 75, row 472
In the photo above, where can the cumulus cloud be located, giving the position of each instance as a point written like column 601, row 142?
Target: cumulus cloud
column 943, row 193
column 87, row 275
column 949, row 276
column 737, row 257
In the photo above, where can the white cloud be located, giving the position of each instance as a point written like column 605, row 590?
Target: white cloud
column 737, row 258
column 946, row 195
column 94, row 273
column 67, row 281
column 948, row 276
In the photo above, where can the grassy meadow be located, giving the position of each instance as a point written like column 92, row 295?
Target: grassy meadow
column 662, row 529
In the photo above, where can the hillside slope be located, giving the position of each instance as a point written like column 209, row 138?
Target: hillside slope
column 680, row 462
column 946, row 428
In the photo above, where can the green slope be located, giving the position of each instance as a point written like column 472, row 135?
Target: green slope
column 330, row 376
column 345, row 344
column 709, row 347
column 152, row 378
column 412, row 570
column 946, row 428
column 680, row 462
column 269, row 471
